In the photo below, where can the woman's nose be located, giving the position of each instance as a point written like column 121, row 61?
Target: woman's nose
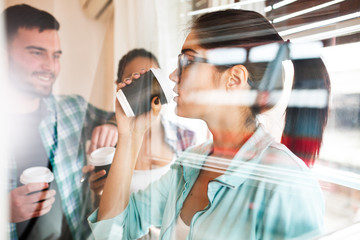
column 174, row 76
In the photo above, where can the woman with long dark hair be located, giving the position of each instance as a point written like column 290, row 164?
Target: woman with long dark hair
column 240, row 185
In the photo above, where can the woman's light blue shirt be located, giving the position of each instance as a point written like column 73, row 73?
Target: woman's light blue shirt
column 265, row 193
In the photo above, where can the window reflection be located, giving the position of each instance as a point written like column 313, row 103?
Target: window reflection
column 328, row 31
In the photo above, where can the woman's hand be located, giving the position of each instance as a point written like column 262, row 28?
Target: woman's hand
column 131, row 130
column 139, row 124
column 96, row 185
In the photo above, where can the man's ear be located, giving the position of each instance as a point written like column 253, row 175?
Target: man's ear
column 238, row 76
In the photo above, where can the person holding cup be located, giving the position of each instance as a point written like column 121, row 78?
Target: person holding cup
column 163, row 141
column 240, row 185
column 33, row 177
column 47, row 131
column 101, row 159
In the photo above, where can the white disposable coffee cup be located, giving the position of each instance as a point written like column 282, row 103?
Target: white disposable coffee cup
column 36, row 175
column 102, row 158
column 135, row 98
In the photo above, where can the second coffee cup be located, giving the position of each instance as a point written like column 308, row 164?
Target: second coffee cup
column 102, row 158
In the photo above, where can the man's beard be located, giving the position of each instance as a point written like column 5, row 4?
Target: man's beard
column 29, row 89
column 34, row 92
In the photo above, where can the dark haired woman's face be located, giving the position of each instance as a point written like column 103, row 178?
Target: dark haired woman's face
column 196, row 82
column 137, row 64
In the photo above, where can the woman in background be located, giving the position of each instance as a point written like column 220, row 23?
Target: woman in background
column 165, row 138
column 162, row 142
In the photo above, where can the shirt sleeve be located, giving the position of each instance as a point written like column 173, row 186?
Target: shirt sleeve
column 145, row 209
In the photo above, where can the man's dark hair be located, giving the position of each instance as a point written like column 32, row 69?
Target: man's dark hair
column 137, row 52
column 25, row 16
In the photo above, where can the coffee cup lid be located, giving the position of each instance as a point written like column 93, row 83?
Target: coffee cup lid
column 36, row 174
column 102, row 156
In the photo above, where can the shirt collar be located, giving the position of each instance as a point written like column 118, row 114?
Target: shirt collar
column 246, row 159
column 48, row 105
column 192, row 160
column 241, row 166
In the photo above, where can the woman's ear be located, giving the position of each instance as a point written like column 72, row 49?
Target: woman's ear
column 237, row 78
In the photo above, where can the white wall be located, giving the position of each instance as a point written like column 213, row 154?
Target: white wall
column 150, row 24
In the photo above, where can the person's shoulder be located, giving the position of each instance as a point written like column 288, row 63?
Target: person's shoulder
column 70, row 105
column 279, row 155
column 70, row 99
column 283, row 170
column 75, row 102
column 285, row 176
column 273, row 153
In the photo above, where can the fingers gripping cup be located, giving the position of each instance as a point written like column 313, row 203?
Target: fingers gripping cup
column 136, row 97
column 36, row 175
column 102, row 158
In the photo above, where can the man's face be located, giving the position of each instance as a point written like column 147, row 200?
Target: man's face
column 34, row 60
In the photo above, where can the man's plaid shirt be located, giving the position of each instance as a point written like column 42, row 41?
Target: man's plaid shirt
column 68, row 123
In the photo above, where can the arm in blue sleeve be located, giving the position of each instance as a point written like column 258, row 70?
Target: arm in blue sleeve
column 145, row 209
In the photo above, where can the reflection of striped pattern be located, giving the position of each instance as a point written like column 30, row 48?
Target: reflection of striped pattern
column 266, row 192
column 313, row 20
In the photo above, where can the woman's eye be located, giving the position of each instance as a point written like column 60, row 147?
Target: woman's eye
column 188, row 62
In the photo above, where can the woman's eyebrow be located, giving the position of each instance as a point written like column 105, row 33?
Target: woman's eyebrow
column 185, row 50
